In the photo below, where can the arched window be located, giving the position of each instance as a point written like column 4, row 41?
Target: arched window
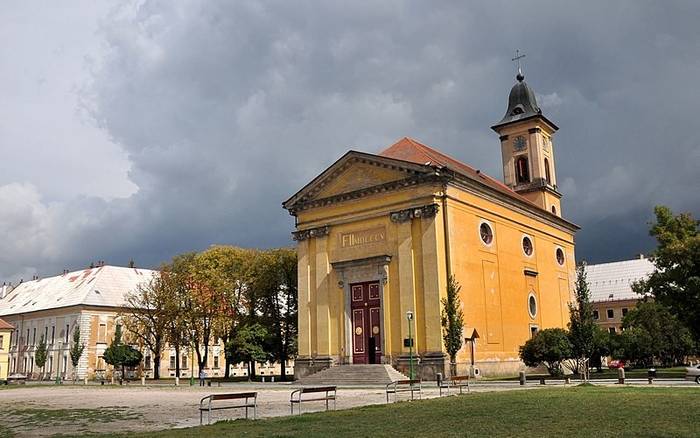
column 554, row 209
column 546, row 172
column 522, row 173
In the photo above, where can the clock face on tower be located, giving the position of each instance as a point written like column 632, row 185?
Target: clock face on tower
column 519, row 143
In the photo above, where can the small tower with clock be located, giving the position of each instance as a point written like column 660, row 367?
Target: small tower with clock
column 527, row 148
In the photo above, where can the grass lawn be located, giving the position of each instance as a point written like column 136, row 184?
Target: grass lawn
column 571, row 412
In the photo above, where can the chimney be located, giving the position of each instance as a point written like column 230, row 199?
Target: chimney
column 640, row 256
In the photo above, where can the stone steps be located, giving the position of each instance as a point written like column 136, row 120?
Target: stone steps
column 351, row 375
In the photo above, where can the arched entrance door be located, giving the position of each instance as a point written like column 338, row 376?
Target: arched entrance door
column 366, row 320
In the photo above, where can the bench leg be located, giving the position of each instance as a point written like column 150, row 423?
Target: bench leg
column 246, row 410
column 201, row 414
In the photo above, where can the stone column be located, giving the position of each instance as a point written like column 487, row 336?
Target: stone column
column 407, row 300
column 323, row 321
column 434, row 288
column 304, row 317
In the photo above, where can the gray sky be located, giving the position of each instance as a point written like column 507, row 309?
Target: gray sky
column 144, row 129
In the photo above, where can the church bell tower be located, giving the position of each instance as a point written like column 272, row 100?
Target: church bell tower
column 527, row 148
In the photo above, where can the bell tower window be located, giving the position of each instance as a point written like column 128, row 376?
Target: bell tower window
column 547, row 175
column 522, row 173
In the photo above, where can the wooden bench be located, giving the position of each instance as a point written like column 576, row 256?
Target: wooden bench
column 329, row 394
column 410, row 385
column 454, row 382
column 209, row 406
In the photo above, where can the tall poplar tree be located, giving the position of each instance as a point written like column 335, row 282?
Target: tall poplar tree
column 581, row 324
column 41, row 354
column 452, row 319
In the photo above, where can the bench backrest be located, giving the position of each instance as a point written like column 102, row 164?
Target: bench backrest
column 458, row 378
column 407, row 382
column 233, row 396
column 318, row 389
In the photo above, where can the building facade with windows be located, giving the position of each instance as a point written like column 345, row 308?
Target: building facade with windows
column 90, row 299
column 610, row 285
column 380, row 234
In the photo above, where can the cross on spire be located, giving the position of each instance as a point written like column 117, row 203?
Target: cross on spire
column 517, row 58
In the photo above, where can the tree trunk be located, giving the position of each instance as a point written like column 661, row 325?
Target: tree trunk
column 156, row 358
column 177, row 360
column 283, row 366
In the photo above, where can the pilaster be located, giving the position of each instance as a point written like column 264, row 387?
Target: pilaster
column 323, row 321
column 304, row 316
column 406, row 286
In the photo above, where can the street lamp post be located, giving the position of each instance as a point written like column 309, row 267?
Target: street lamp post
column 409, row 317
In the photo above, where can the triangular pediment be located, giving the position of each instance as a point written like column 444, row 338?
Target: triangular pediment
column 354, row 172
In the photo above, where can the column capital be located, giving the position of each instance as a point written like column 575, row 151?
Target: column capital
column 406, row 215
column 311, row 232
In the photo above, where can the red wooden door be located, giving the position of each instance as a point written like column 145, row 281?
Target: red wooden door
column 366, row 320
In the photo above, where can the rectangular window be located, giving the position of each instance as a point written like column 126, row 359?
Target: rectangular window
column 612, row 330
column 50, row 365
column 147, row 362
column 183, row 361
column 611, row 313
column 596, row 315
column 100, row 363
column 102, row 334
column 46, row 333
column 26, row 340
column 172, row 362
column 34, row 336
column 53, row 334
column 65, row 364
column 533, row 330
column 624, row 311
column 31, row 364
column 2, row 342
column 216, row 361
column 67, row 332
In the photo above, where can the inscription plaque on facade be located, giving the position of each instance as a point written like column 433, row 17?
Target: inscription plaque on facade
column 363, row 237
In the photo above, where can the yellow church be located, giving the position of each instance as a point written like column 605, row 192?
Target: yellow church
column 379, row 235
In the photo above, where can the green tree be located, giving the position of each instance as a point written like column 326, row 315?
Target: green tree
column 549, row 347
column 41, row 354
column 76, row 351
column 120, row 355
column 452, row 320
column 276, row 280
column 676, row 281
column 146, row 316
column 248, row 346
column 581, row 324
column 655, row 336
column 602, row 347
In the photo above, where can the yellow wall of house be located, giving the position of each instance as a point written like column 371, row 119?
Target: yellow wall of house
column 494, row 288
column 5, row 335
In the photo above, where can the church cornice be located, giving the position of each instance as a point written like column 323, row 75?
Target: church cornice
column 368, row 191
column 520, row 205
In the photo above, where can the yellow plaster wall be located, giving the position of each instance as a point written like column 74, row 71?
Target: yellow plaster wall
column 4, row 353
column 494, row 287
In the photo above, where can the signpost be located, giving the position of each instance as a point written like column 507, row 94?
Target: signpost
column 409, row 317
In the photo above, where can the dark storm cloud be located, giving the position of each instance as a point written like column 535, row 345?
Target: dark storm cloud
column 227, row 108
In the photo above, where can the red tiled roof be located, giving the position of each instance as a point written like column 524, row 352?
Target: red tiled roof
column 5, row 325
column 408, row 149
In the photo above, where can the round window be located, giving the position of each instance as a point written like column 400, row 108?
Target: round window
column 486, row 233
column 560, row 256
column 527, row 246
column 532, row 305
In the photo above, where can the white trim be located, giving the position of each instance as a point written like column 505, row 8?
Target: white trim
column 557, row 248
column 522, row 245
column 493, row 232
column 530, row 296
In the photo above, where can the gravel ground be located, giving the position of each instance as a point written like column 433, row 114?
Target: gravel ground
column 44, row 410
